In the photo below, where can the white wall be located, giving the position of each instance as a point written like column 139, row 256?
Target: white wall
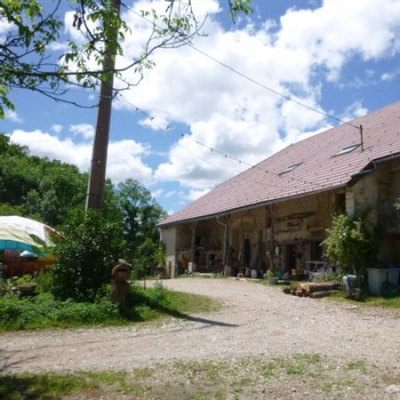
column 168, row 238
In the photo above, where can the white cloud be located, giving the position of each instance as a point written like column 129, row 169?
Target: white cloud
column 84, row 130
column 390, row 76
column 5, row 28
column 124, row 157
column 44, row 144
column 13, row 116
column 196, row 194
column 57, row 128
column 243, row 117
column 125, row 161
column 330, row 35
column 230, row 92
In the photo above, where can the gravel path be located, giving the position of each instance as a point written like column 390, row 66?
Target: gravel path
column 257, row 320
column 261, row 345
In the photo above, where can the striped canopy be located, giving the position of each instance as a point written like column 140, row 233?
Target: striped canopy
column 25, row 234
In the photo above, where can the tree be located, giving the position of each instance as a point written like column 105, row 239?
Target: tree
column 90, row 246
column 34, row 27
column 141, row 214
column 37, row 187
column 26, row 63
column 354, row 241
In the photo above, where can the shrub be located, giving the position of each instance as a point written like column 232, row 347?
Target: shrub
column 354, row 241
column 85, row 255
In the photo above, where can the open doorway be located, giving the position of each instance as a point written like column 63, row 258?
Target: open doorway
column 316, row 250
column 290, row 257
column 246, row 251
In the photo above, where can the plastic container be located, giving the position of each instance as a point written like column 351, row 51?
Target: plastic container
column 393, row 274
column 228, row 270
column 376, row 278
column 191, row 267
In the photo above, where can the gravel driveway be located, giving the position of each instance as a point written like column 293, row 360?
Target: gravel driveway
column 256, row 321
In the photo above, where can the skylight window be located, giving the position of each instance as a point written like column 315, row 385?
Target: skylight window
column 291, row 168
column 347, row 149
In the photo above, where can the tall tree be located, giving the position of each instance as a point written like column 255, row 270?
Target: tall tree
column 33, row 186
column 141, row 215
column 26, row 63
column 30, row 29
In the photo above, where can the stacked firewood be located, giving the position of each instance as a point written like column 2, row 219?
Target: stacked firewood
column 312, row 289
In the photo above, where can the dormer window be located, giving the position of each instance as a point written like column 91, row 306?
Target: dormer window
column 347, row 149
column 290, row 168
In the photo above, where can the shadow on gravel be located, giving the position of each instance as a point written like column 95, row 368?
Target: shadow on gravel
column 202, row 320
column 158, row 304
column 6, row 363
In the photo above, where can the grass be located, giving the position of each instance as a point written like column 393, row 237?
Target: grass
column 256, row 377
column 368, row 300
column 298, row 375
column 143, row 304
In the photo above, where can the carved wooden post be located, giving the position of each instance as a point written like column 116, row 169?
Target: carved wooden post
column 119, row 285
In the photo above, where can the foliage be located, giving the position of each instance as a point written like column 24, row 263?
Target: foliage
column 269, row 273
column 42, row 311
column 354, row 241
column 49, row 190
column 37, row 187
column 49, row 386
column 148, row 255
column 143, row 304
column 90, row 247
column 141, row 214
column 238, row 7
column 213, row 378
column 32, row 32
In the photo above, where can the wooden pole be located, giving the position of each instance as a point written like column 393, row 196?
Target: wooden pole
column 96, row 187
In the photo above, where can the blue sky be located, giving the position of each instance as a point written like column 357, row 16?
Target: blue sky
column 207, row 112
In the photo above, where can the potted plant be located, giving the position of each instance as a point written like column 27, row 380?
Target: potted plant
column 272, row 279
column 354, row 242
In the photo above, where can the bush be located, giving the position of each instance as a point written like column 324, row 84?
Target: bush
column 85, row 255
column 42, row 310
column 354, row 242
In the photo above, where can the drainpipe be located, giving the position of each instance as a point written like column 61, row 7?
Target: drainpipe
column 226, row 236
column 193, row 244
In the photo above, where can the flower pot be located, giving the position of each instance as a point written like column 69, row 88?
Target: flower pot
column 273, row 280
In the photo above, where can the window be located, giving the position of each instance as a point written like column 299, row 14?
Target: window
column 291, row 168
column 347, row 149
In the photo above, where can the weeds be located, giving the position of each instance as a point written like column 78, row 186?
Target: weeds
column 255, row 377
column 43, row 311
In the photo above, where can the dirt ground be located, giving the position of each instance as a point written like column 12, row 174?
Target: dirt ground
column 263, row 343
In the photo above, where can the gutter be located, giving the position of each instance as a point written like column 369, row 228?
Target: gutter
column 374, row 166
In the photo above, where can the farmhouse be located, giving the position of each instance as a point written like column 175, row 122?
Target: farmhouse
column 277, row 212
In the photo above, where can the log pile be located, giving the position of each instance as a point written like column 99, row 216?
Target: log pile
column 315, row 290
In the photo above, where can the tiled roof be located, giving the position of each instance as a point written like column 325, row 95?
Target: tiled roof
column 319, row 167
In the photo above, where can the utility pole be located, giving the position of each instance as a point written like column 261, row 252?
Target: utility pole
column 96, row 187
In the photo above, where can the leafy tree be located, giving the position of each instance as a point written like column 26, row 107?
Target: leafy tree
column 61, row 188
column 354, row 241
column 87, row 251
column 34, row 27
column 141, row 214
column 7, row 209
column 34, row 186
column 149, row 254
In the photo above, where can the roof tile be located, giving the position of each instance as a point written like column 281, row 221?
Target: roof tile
column 320, row 169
